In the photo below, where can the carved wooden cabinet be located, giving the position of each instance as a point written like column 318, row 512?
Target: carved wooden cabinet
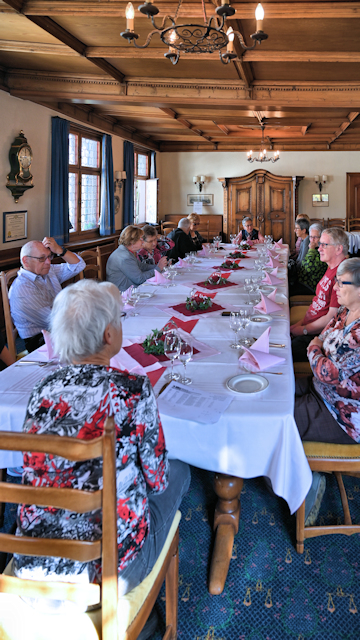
column 270, row 201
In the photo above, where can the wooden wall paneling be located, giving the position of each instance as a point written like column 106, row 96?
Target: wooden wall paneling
column 215, row 223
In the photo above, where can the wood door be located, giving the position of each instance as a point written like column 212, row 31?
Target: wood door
column 277, row 208
column 352, row 199
column 242, row 203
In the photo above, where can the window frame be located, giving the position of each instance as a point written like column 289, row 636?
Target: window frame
column 83, row 132
column 142, row 152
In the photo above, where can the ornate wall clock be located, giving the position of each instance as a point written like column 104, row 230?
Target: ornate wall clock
column 20, row 178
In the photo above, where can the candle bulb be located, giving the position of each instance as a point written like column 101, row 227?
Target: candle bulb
column 259, row 17
column 230, row 45
column 129, row 14
column 172, row 37
column 324, row 178
column 316, row 178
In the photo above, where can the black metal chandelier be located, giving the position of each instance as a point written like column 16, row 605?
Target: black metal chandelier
column 194, row 38
column 262, row 157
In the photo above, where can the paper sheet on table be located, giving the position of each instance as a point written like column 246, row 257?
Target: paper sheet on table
column 192, row 404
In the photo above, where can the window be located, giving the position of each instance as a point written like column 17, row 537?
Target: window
column 84, row 181
column 145, row 190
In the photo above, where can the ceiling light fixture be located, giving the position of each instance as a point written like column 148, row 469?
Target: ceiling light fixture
column 262, row 157
column 194, row 38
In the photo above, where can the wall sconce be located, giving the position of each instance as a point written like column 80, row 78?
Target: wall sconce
column 318, row 181
column 199, row 180
column 120, row 177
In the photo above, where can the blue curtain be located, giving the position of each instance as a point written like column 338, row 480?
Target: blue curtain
column 128, row 201
column 153, row 165
column 59, row 204
column 107, row 205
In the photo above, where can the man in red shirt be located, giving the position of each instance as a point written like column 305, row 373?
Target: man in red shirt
column 333, row 249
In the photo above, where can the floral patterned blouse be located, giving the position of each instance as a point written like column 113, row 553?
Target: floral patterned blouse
column 75, row 401
column 336, row 370
column 311, row 269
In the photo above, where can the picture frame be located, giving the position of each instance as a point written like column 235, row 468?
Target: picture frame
column 207, row 199
column 320, row 200
column 14, row 226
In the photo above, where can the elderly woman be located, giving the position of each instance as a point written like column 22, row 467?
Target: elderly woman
column 248, row 232
column 153, row 248
column 75, row 401
column 195, row 236
column 123, row 268
column 294, row 254
column 327, row 406
column 311, row 269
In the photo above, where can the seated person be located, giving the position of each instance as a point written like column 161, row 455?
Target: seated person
column 5, row 358
column 302, row 232
column 75, row 401
column 333, row 249
column 38, row 282
column 123, row 268
column 151, row 253
column 294, row 254
column 311, row 269
column 195, row 236
column 327, row 405
column 182, row 240
column 248, row 232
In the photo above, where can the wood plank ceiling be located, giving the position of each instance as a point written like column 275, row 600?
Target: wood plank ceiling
column 303, row 83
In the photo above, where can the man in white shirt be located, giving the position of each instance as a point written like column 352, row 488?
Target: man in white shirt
column 38, row 282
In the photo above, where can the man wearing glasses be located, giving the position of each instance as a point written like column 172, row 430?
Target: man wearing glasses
column 333, row 249
column 38, row 282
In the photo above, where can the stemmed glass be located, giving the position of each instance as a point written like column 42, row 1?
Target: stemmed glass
column 235, row 325
column 171, row 276
column 248, row 287
column 185, row 355
column 171, row 351
column 134, row 299
column 232, row 238
column 244, row 321
column 256, row 283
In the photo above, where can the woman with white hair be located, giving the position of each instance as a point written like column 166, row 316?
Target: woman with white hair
column 248, row 232
column 310, row 269
column 75, row 401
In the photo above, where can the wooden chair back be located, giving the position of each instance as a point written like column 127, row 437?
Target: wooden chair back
column 167, row 227
column 93, row 264
column 336, row 222
column 7, row 278
column 77, row 501
column 318, row 221
column 354, row 224
column 329, row 458
column 204, row 229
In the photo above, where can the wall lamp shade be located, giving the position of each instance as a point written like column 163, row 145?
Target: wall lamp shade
column 199, row 180
column 320, row 181
column 120, row 177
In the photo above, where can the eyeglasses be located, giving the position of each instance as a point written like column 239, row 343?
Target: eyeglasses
column 340, row 283
column 196, row 224
column 42, row 258
column 314, row 237
column 326, row 244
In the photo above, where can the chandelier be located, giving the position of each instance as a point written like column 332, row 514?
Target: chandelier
column 194, row 38
column 262, row 157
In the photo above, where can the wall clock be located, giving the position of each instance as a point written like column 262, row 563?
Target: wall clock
column 20, row 178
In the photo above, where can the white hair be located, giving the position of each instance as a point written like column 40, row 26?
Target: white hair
column 79, row 317
column 317, row 226
column 184, row 223
column 352, row 266
column 27, row 249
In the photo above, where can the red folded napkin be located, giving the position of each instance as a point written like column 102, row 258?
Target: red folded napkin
column 215, row 286
column 155, row 375
column 185, row 325
column 137, row 352
column 181, row 308
column 208, row 295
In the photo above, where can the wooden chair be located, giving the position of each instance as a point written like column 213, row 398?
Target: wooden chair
column 329, row 458
column 318, row 221
column 354, row 224
column 93, row 264
column 301, row 300
column 167, row 227
column 336, row 222
column 7, row 278
column 113, row 618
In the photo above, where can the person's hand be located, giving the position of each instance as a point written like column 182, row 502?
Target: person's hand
column 316, row 342
column 162, row 263
column 51, row 244
column 296, row 329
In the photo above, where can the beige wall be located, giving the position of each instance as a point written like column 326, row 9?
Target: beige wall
column 178, row 169
column 35, row 121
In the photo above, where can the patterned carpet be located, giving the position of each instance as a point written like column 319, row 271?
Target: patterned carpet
column 271, row 592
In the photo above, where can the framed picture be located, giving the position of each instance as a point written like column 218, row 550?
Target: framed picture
column 206, row 199
column 14, row 226
column 320, row 200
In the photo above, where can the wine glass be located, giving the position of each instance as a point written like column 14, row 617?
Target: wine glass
column 171, row 351
column 235, row 325
column 185, row 355
column 256, row 283
column 244, row 321
column 248, row 287
column 171, row 276
column 134, row 299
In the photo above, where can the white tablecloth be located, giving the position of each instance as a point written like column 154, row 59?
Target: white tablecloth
column 256, row 436
column 354, row 241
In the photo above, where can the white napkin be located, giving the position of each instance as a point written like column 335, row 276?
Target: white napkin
column 258, row 358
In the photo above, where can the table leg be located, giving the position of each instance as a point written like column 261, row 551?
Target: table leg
column 226, row 524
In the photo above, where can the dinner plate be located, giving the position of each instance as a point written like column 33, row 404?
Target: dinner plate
column 146, row 294
column 260, row 318
column 247, row 383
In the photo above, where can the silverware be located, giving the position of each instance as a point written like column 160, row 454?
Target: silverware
column 38, row 363
column 163, row 387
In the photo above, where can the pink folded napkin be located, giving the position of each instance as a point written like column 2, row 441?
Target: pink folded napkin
column 270, row 279
column 266, row 305
column 279, row 243
column 271, row 253
column 127, row 294
column 258, row 358
column 273, row 262
column 204, row 253
column 49, row 345
column 274, row 271
column 157, row 279
column 181, row 263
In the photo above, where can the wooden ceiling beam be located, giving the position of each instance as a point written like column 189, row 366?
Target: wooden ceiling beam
column 172, row 114
column 305, row 129
column 273, row 11
column 351, row 117
column 150, row 53
column 302, row 56
column 19, row 46
column 222, row 128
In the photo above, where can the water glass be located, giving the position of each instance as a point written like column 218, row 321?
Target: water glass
column 235, row 325
column 244, row 321
column 172, row 350
column 134, row 299
column 248, row 287
column 185, row 355
column 232, row 238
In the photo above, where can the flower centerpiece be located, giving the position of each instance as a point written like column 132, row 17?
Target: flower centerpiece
column 237, row 254
column 198, row 301
column 244, row 245
column 230, row 264
column 154, row 343
column 215, row 278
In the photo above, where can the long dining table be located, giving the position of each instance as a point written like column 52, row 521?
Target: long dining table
column 255, row 436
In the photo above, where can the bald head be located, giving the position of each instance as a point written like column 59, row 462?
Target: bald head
column 34, row 246
column 36, row 257
column 184, row 224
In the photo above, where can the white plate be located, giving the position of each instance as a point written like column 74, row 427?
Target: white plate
column 146, row 294
column 266, row 288
column 260, row 318
column 247, row 383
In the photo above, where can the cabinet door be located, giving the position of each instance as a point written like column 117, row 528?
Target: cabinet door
column 277, row 210
column 242, row 203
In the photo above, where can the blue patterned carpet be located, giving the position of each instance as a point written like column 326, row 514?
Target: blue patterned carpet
column 271, row 592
